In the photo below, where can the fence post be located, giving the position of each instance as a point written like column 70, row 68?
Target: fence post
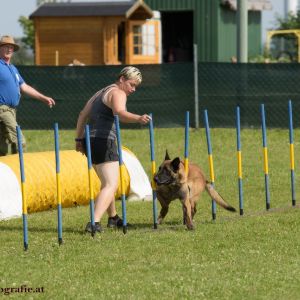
column 196, row 86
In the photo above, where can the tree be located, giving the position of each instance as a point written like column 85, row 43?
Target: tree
column 285, row 46
column 291, row 22
column 28, row 30
column 23, row 56
column 28, row 27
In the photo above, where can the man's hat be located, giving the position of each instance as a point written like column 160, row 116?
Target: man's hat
column 9, row 40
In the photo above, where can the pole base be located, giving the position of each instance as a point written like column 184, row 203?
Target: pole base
column 93, row 232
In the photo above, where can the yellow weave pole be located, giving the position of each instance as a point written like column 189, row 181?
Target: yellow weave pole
column 210, row 161
column 58, row 185
column 186, row 143
column 292, row 155
column 121, row 166
column 89, row 159
column 24, row 203
column 239, row 160
column 153, row 172
column 265, row 155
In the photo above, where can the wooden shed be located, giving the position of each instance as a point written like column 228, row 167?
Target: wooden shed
column 96, row 33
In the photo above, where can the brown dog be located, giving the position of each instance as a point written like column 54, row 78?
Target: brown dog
column 172, row 183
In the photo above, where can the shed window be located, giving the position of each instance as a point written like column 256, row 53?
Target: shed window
column 144, row 39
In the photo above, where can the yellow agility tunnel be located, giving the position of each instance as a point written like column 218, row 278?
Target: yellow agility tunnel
column 41, row 187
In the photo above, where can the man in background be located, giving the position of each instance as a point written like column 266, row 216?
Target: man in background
column 11, row 86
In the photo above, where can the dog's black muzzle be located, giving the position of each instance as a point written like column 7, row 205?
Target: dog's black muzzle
column 163, row 181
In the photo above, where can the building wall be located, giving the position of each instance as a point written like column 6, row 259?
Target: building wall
column 214, row 27
column 254, row 33
column 171, row 4
column 227, row 34
column 70, row 37
column 205, row 20
column 206, row 30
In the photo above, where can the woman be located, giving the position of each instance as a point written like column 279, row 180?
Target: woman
column 99, row 112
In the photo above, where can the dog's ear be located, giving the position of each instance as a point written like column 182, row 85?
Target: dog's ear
column 175, row 164
column 167, row 157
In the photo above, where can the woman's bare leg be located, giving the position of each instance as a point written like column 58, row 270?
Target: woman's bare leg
column 108, row 174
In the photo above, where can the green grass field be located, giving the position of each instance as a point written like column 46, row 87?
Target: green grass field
column 256, row 256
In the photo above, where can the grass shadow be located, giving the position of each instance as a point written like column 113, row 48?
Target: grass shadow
column 42, row 230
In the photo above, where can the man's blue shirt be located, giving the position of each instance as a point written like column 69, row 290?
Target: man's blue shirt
column 10, row 82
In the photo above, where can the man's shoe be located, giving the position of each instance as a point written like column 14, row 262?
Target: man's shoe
column 97, row 227
column 114, row 222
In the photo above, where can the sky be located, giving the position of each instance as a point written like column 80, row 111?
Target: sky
column 11, row 10
column 269, row 17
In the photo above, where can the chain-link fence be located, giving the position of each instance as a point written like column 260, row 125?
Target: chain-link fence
column 224, row 86
column 167, row 91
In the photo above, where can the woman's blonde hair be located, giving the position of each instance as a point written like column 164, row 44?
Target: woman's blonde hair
column 131, row 73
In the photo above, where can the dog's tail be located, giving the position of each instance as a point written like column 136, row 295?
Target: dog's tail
column 217, row 197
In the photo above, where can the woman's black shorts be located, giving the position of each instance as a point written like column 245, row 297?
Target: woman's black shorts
column 103, row 150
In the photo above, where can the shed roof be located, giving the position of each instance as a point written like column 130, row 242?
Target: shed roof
column 252, row 4
column 129, row 9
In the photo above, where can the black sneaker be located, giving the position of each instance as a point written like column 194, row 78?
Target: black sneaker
column 114, row 222
column 98, row 227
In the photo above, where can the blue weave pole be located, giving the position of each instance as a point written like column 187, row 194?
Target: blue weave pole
column 292, row 156
column 210, row 161
column 58, row 185
column 24, row 202
column 239, row 159
column 153, row 172
column 91, row 190
column 186, row 142
column 122, row 173
column 265, row 154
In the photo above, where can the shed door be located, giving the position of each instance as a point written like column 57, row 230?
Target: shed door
column 144, row 42
column 110, row 43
